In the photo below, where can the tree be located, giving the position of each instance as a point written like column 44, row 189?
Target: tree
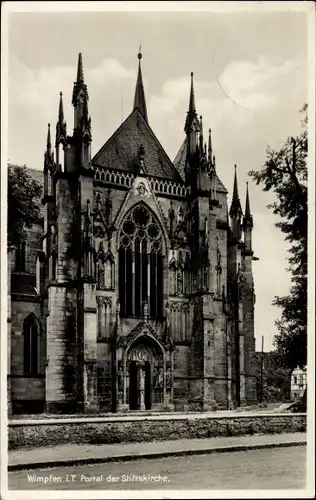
column 24, row 198
column 285, row 174
column 276, row 380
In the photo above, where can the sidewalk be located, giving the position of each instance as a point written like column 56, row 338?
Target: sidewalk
column 72, row 454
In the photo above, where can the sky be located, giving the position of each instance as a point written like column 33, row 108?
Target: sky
column 250, row 81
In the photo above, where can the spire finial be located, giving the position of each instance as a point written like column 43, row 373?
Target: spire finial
column 139, row 99
column 192, row 97
column 80, row 78
column 235, row 207
column 210, row 147
column 48, row 141
column 79, row 84
column 61, row 127
column 61, row 108
column 247, row 207
column 139, row 55
column 192, row 110
column 201, row 133
column 235, row 190
column 248, row 220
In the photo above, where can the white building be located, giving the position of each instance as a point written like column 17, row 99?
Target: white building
column 298, row 382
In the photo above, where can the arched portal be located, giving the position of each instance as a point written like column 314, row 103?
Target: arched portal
column 145, row 375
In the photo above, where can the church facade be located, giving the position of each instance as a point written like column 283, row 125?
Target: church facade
column 135, row 291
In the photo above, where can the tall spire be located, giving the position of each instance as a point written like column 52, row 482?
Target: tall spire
column 48, row 142
column 79, row 85
column 210, row 147
column 235, row 208
column 192, row 97
column 80, row 78
column 247, row 208
column 139, row 99
column 191, row 114
column 61, row 117
column 201, row 140
column 235, row 189
column 247, row 222
column 61, row 127
column 80, row 97
column 48, row 164
column 49, row 155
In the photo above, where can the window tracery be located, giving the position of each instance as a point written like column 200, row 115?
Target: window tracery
column 140, row 263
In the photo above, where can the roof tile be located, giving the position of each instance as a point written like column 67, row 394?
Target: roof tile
column 120, row 152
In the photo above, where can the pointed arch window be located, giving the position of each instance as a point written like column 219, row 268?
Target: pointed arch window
column 140, row 264
column 104, row 316
column 31, row 334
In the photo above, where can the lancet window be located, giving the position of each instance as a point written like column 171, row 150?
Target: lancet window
column 31, row 333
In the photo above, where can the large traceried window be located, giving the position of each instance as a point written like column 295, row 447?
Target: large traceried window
column 140, row 264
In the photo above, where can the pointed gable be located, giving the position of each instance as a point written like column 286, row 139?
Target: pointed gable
column 120, row 152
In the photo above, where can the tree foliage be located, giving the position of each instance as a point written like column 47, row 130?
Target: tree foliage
column 24, row 197
column 276, row 377
column 285, row 174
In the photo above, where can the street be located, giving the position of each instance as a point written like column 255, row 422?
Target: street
column 274, row 468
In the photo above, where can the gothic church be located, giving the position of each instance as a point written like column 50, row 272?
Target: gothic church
column 135, row 291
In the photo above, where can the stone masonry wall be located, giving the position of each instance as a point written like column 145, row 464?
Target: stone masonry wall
column 104, row 375
column 123, row 430
column 24, row 388
column 180, row 378
column 248, row 329
column 61, row 361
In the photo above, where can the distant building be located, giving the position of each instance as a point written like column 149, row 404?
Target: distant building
column 298, row 382
column 135, row 291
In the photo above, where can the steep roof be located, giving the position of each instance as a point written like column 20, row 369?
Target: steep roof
column 120, row 152
column 180, row 159
column 179, row 163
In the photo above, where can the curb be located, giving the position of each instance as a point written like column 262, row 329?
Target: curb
column 150, row 455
